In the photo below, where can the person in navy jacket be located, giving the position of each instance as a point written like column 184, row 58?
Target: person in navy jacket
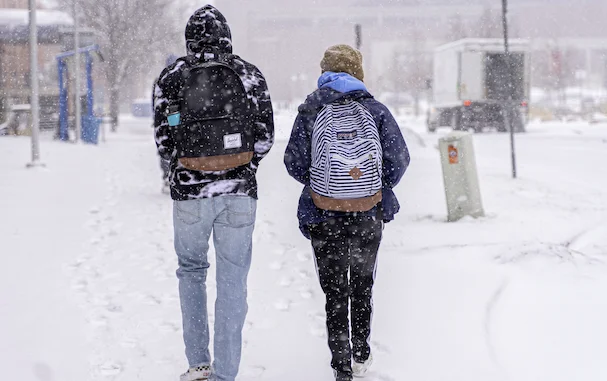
column 345, row 244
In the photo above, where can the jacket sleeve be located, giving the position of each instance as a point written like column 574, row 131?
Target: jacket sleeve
column 298, row 158
column 162, row 133
column 264, row 119
column 396, row 156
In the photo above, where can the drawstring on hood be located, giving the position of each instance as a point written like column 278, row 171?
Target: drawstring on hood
column 208, row 31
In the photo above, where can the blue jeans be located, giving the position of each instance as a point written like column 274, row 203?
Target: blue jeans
column 231, row 218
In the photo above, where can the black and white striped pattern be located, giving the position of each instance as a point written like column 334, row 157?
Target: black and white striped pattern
column 345, row 137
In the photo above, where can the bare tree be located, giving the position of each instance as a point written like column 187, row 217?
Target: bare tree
column 411, row 67
column 490, row 24
column 133, row 34
column 417, row 69
column 457, row 28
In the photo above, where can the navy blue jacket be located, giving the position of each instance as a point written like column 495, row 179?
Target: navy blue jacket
column 298, row 158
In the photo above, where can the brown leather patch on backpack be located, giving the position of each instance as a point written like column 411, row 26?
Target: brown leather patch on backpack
column 351, row 205
column 216, row 163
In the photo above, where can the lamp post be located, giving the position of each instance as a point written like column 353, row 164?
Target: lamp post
column 34, row 90
column 509, row 107
column 358, row 33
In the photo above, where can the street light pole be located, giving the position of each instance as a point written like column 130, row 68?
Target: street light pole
column 34, row 90
column 510, row 106
column 77, row 73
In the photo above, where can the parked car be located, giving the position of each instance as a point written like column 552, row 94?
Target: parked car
column 141, row 108
column 18, row 121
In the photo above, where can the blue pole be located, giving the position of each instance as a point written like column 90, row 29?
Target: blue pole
column 91, row 48
column 89, row 84
column 63, row 121
column 63, row 91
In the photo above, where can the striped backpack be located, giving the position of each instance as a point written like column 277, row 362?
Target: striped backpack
column 346, row 171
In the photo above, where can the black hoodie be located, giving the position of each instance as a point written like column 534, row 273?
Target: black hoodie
column 207, row 33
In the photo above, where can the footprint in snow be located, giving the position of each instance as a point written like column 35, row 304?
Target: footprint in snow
column 318, row 327
column 283, row 305
column 304, row 274
column 317, row 317
column 280, row 252
column 318, row 331
column 93, row 224
column 159, row 247
column 129, row 343
column 162, row 275
column 374, row 376
column 247, row 326
column 109, row 369
column 153, row 265
column 98, row 322
column 150, row 300
column 255, row 371
column 114, row 308
column 304, row 256
column 169, row 327
column 381, row 348
column 306, row 293
column 79, row 263
column 276, row 265
column 101, row 301
column 80, row 285
column 286, row 282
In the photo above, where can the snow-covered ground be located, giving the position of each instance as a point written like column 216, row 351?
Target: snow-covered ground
column 88, row 292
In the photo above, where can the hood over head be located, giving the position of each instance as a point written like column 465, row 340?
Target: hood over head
column 208, row 30
column 342, row 82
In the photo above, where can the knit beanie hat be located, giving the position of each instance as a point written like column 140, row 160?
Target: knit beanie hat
column 343, row 59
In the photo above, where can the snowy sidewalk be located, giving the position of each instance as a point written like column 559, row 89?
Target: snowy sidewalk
column 88, row 290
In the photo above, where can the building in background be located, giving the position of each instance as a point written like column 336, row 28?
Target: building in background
column 55, row 35
column 286, row 38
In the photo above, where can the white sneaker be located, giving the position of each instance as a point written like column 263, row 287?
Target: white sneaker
column 360, row 369
column 199, row 373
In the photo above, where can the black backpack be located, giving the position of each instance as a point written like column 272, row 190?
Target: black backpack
column 216, row 130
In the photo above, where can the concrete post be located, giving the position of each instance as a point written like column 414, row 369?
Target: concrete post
column 460, row 176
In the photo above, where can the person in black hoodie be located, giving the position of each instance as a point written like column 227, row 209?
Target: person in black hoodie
column 209, row 195
column 347, row 144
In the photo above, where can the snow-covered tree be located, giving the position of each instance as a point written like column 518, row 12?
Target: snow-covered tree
column 457, row 28
column 133, row 35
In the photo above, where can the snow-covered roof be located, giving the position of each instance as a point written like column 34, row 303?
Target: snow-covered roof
column 48, row 3
column 20, row 17
column 21, row 107
column 485, row 44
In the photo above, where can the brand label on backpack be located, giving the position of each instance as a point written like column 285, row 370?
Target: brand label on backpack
column 347, row 135
column 232, row 141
